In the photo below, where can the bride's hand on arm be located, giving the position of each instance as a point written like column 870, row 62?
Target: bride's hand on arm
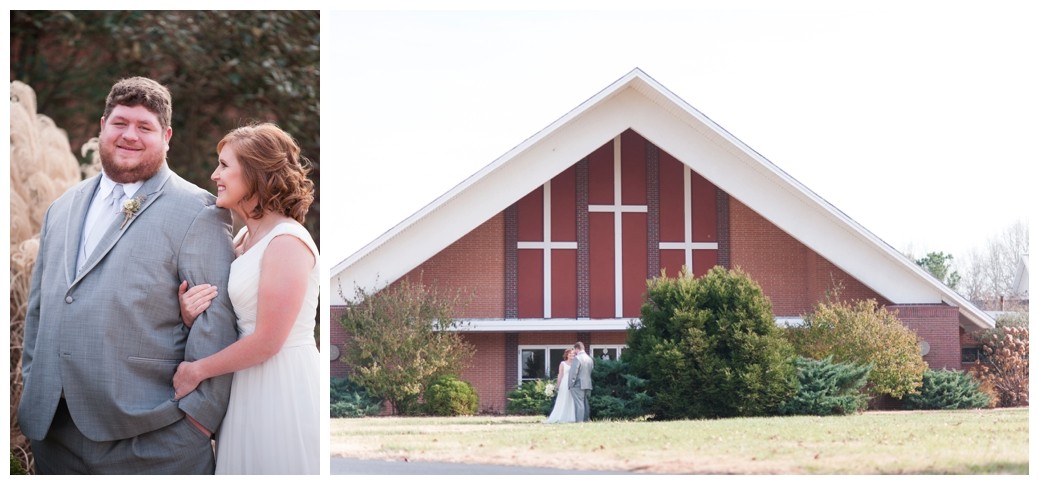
column 194, row 301
column 187, row 378
column 282, row 287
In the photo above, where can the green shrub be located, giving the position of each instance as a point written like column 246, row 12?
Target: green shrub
column 351, row 400
column 947, row 389
column 863, row 333
column 617, row 393
column 531, row 398
column 710, row 348
column 16, row 466
column 450, row 396
column 828, row 388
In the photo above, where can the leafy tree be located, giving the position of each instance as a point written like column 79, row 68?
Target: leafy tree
column 947, row 389
column 1005, row 366
column 863, row 333
column 618, row 394
column 828, row 388
column 401, row 339
column 940, row 266
column 710, row 348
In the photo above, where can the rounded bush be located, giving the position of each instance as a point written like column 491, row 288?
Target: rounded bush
column 450, row 396
column 709, row 347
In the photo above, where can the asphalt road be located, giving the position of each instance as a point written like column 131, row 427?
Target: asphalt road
column 351, row 466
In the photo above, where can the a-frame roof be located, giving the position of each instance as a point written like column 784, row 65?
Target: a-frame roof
column 638, row 102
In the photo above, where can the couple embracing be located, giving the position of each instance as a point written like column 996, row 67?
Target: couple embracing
column 573, row 387
column 151, row 331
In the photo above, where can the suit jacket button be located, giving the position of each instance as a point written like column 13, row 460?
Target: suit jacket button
column 68, row 299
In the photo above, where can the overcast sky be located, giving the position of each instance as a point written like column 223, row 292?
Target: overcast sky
column 917, row 123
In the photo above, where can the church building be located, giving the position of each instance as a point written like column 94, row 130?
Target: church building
column 556, row 239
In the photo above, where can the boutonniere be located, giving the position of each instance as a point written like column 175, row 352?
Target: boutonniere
column 130, row 208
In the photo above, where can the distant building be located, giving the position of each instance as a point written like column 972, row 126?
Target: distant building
column 558, row 236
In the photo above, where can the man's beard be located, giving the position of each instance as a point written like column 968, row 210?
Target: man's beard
column 128, row 175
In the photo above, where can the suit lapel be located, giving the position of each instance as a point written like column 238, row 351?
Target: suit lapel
column 74, row 226
column 150, row 191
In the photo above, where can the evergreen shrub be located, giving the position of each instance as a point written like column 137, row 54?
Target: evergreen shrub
column 828, row 388
column 351, row 400
column 618, row 394
column 451, row 396
column 532, row 398
column 709, row 347
column 948, row 389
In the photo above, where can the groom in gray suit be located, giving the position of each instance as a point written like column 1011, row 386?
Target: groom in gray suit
column 581, row 383
column 103, row 333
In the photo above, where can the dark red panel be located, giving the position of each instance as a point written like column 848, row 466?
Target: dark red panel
column 705, row 210
column 600, row 175
column 564, row 283
column 531, row 283
column 672, row 260
column 564, row 205
column 672, row 199
column 600, row 265
column 633, row 168
column 530, row 216
column 703, row 261
column 635, row 262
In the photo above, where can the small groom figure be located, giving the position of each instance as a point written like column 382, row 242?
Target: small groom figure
column 581, row 383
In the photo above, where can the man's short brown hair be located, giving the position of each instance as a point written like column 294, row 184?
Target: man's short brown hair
column 141, row 91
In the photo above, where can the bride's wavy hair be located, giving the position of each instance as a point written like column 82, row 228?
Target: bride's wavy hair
column 273, row 169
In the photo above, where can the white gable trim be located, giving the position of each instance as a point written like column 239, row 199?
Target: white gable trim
column 638, row 102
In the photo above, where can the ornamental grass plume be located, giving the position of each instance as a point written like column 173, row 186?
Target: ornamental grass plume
column 42, row 168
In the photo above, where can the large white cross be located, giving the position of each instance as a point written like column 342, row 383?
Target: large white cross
column 617, row 208
column 547, row 245
column 687, row 243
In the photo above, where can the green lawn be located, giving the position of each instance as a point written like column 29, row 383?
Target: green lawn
column 920, row 442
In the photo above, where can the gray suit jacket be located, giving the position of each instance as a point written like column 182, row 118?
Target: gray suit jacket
column 111, row 338
column 581, row 372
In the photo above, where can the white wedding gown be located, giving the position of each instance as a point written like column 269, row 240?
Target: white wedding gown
column 273, row 422
column 563, row 411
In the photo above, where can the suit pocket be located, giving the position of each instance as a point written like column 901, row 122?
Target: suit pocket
column 151, row 379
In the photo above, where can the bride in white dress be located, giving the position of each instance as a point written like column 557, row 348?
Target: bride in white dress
column 272, row 425
column 563, row 411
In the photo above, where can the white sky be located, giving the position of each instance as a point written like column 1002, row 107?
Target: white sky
column 917, row 123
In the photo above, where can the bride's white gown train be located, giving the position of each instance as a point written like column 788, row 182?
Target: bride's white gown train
column 563, row 411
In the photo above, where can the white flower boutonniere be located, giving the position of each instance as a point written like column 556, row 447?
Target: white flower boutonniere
column 130, row 208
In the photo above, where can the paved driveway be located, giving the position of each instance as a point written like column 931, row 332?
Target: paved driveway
column 351, row 466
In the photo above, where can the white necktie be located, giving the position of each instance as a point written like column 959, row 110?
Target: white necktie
column 112, row 208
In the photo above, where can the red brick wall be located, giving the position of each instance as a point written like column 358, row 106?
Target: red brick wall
column 487, row 371
column 337, row 337
column 939, row 326
column 475, row 263
column 791, row 275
